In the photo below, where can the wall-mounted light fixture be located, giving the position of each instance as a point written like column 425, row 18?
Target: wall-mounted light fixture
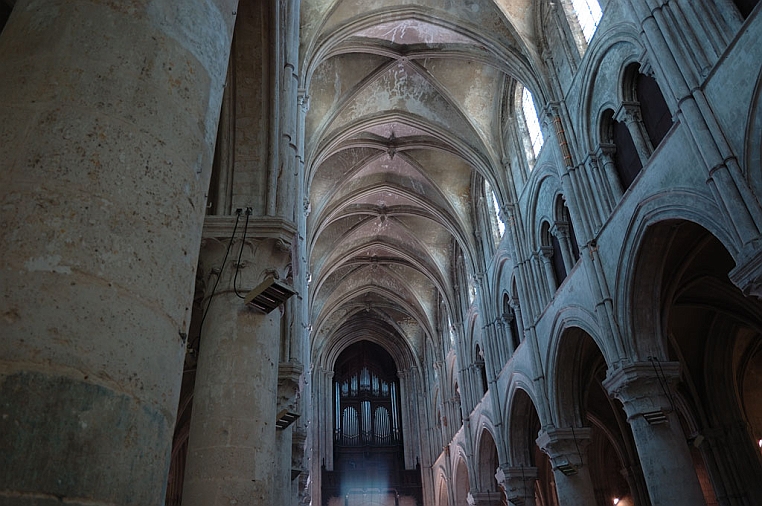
column 270, row 294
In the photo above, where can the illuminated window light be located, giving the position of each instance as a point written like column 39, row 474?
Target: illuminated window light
column 589, row 15
column 496, row 211
column 532, row 121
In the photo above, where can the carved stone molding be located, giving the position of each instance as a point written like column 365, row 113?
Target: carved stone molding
column 628, row 112
column 567, row 448
column 517, row 484
column 644, row 388
column 221, row 227
column 748, row 276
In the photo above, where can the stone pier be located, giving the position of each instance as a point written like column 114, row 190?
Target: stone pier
column 109, row 112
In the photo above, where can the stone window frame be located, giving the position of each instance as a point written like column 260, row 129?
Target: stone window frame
column 581, row 40
column 532, row 149
column 497, row 225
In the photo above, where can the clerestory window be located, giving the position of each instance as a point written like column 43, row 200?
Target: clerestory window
column 588, row 13
column 534, row 132
column 496, row 222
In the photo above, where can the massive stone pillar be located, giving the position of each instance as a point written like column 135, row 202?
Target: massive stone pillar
column 644, row 389
column 567, row 449
column 109, row 112
column 233, row 455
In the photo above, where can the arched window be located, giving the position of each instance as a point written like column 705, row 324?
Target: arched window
column 451, row 332
column 532, row 122
column 496, row 222
column 588, row 13
column 653, row 108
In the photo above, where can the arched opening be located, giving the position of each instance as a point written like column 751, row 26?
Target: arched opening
column 5, row 13
column 587, row 14
column 482, row 369
column 653, row 108
column 745, row 6
column 487, row 463
column 552, row 248
column 531, row 126
column 531, row 470
column 714, row 332
column 462, row 486
column 626, row 159
column 509, row 316
column 565, row 217
column 602, row 431
column 497, row 225
column 368, row 441
column 563, row 232
column 442, row 495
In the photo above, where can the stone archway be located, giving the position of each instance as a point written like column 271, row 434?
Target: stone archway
column 592, row 450
column 462, row 488
column 529, row 479
column 486, row 465
column 707, row 326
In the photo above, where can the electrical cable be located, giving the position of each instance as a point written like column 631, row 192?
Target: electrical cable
column 214, row 288
column 240, row 252
column 579, row 453
column 662, row 381
column 668, row 391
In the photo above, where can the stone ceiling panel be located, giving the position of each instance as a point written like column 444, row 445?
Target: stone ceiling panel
column 404, row 107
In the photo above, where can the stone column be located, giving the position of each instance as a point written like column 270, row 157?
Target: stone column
column 546, row 253
column 506, row 333
column 233, row 453
column 574, row 192
column 109, row 114
column 561, row 232
column 629, row 114
column 567, row 449
column 290, row 444
column 645, row 391
column 605, row 154
column 519, row 320
column 518, row 484
column 732, row 460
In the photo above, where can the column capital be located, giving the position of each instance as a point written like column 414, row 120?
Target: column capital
column 545, row 253
column 628, row 112
column 259, row 227
column 605, row 150
column 303, row 100
column 560, row 229
column 747, row 274
column 484, row 498
column 567, row 447
column 517, row 483
column 644, row 388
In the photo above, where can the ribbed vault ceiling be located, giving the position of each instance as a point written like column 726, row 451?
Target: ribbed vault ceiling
column 407, row 112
